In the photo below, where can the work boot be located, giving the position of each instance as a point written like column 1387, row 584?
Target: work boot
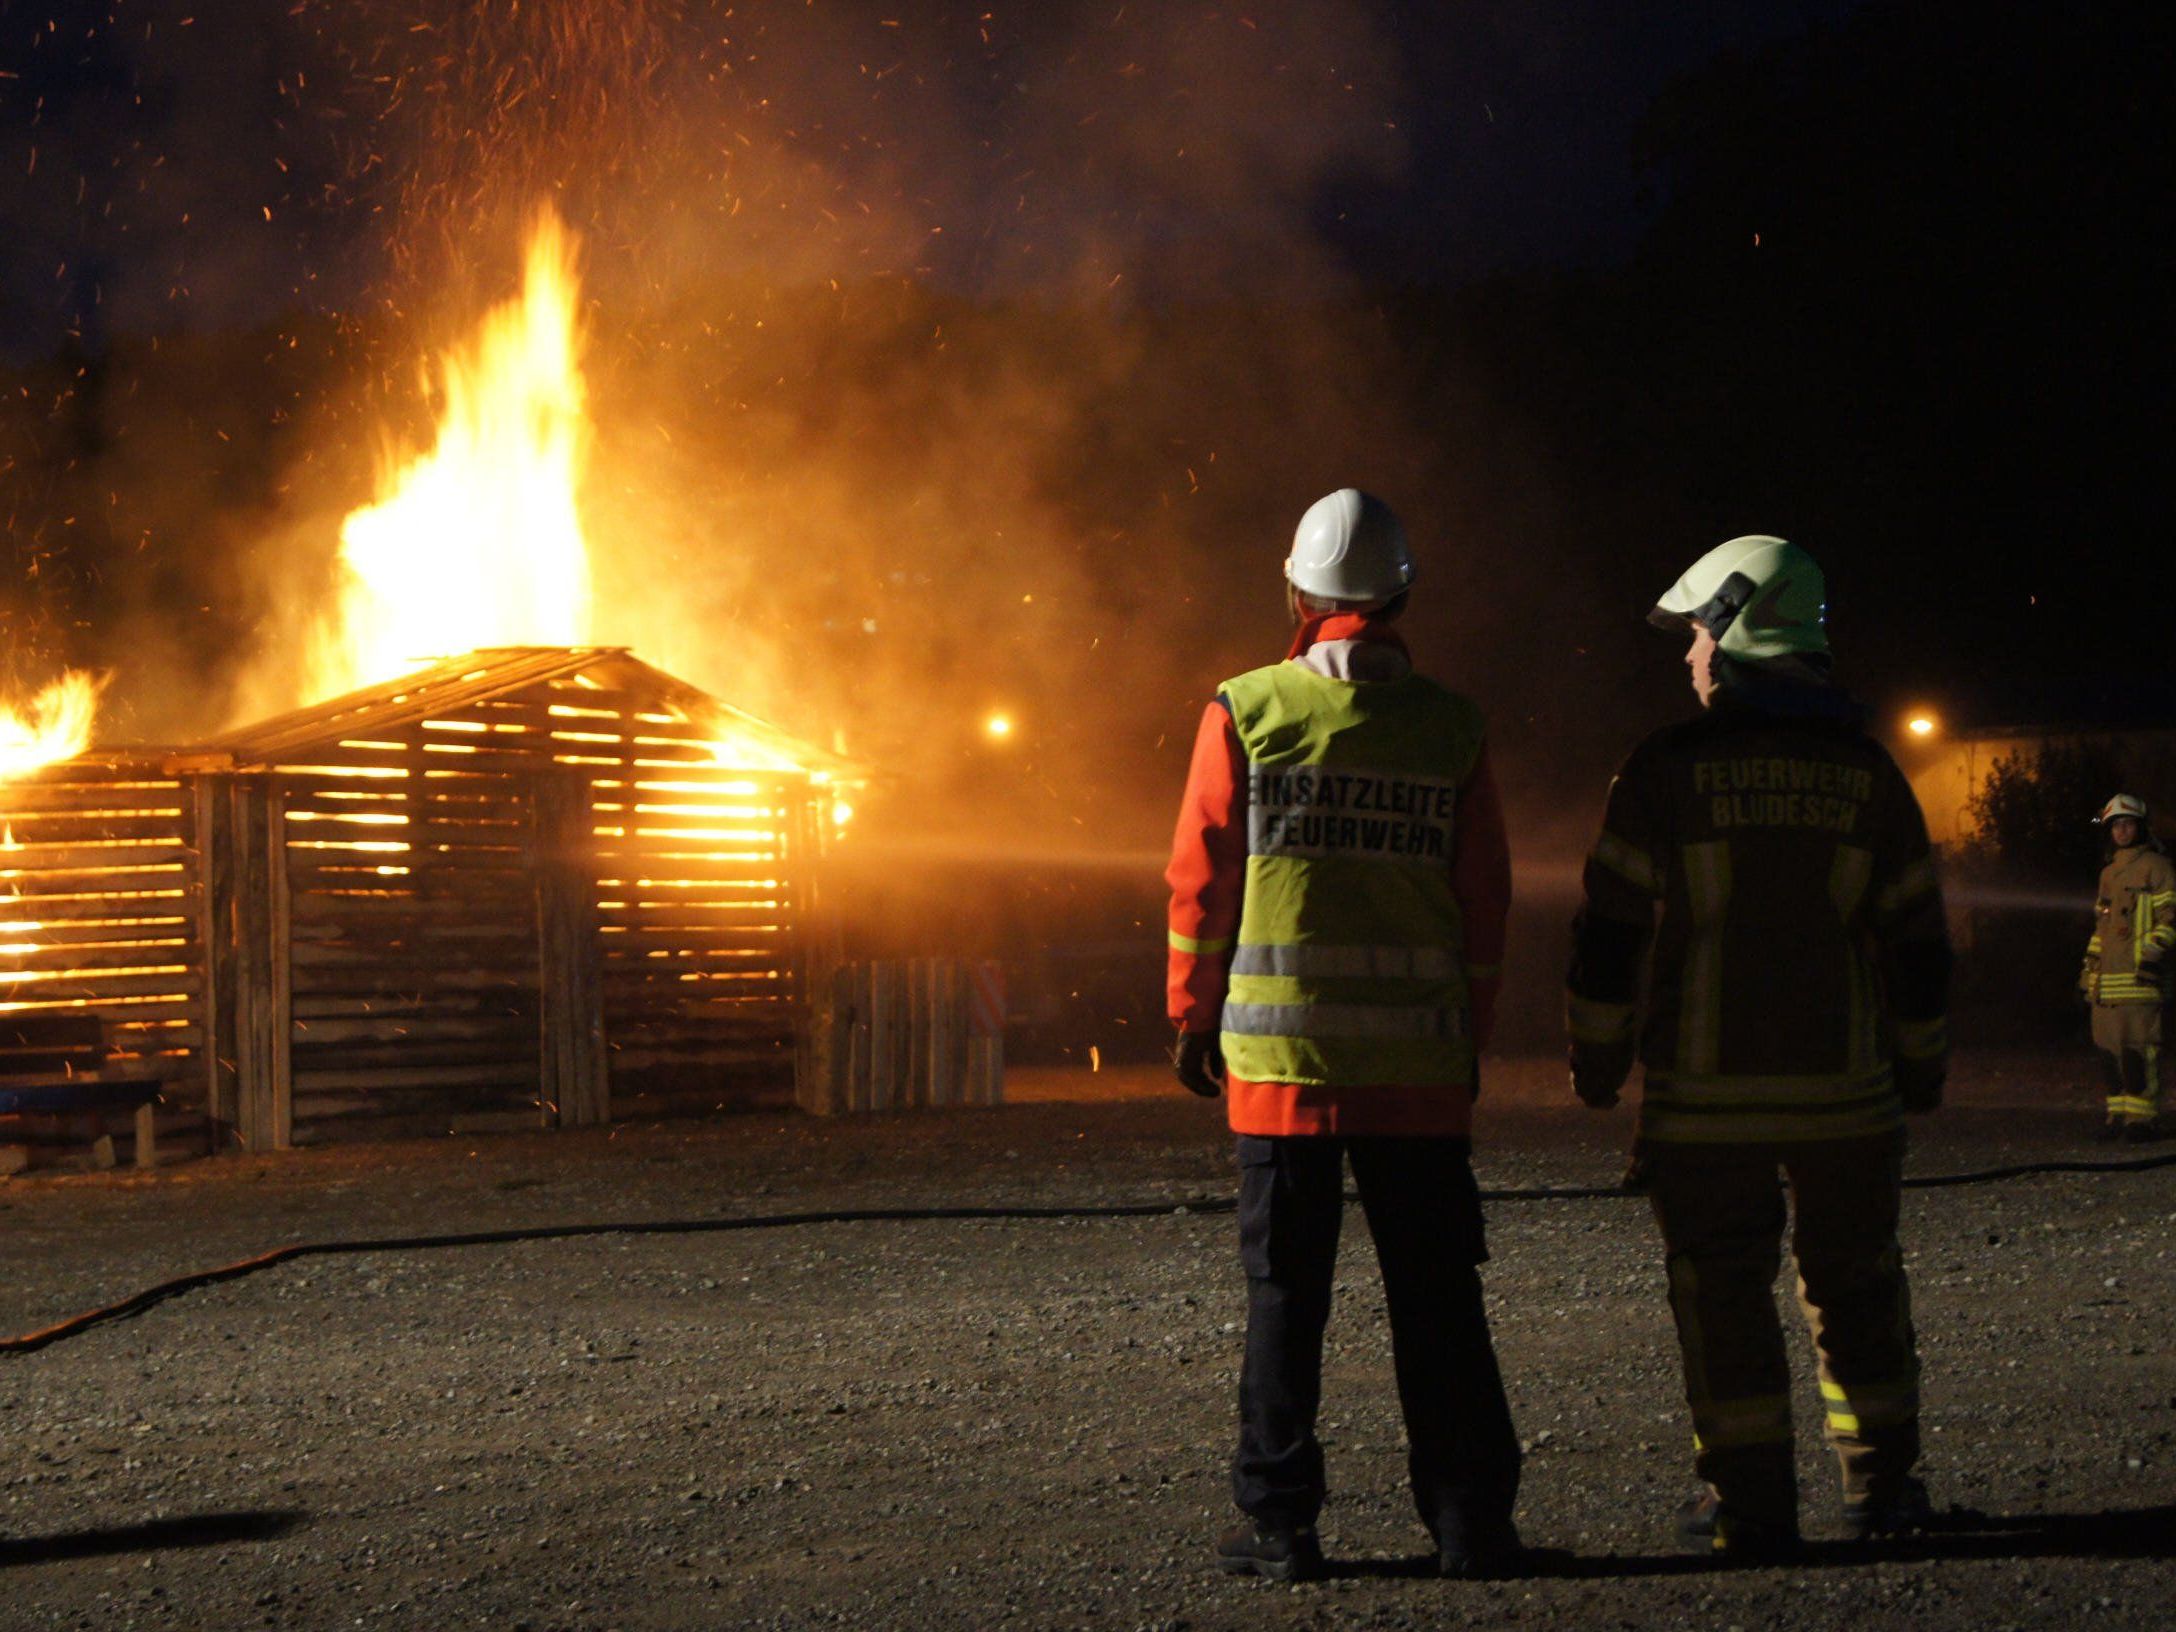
column 1898, row 1507
column 2138, row 1133
column 1483, row 1553
column 1705, row 1525
column 1276, row 1552
column 2110, row 1133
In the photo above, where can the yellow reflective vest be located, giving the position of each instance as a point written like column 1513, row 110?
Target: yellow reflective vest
column 1347, row 972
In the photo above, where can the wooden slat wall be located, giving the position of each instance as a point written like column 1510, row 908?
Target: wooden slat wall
column 701, row 874
column 100, row 909
column 412, row 894
column 387, row 908
column 414, row 868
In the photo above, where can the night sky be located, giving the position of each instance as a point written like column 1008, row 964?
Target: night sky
column 966, row 356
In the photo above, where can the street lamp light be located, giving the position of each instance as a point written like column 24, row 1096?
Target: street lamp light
column 1921, row 726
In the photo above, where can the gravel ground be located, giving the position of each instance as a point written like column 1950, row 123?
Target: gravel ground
column 975, row 1423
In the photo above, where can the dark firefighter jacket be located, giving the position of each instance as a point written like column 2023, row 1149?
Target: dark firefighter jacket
column 1800, row 967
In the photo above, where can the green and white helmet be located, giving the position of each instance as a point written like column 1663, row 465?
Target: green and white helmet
column 1760, row 597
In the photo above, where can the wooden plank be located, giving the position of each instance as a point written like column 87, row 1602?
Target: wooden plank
column 21, row 799
column 571, row 1012
column 445, row 936
column 264, row 991
column 413, row 1052
column 180, row 984
column 395, row 985
column 116, row 1009
column 717, row 1056
column 706, row 1005
column 390, row 910
column 346, row 1006
column 426, row 1030
column 486, row 1074
column 73, row 905
column 947, row 1031
column 92, row 858
column 17, row 929
column 27, row 835
column 91, row 959
column 495, row 956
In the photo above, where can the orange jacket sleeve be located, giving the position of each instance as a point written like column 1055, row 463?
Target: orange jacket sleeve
column 1481, row 880
column 1208, row 873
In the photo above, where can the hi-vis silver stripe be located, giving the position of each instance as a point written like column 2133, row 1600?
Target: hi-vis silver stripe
column 1341, row 1020
column 1341, row 962
column 1349, row 810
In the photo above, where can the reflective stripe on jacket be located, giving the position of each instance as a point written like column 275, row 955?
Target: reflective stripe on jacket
column 2134, row 925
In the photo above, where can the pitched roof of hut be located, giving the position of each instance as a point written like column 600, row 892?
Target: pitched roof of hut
column 490, row 672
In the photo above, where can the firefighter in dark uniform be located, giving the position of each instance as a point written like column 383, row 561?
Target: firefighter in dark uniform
column 2134, row 927
column 1765, row 868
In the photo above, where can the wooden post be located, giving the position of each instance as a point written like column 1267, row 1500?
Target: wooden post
column 147, row 1134
column 821, row 1056
column 945, row 1028
column 884, row 1045
column 918, row 1084
column 575, row 1072
column 215, row 927
column 263, row 967
column 851, row 986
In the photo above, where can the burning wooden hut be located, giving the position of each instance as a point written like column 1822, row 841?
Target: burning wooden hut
column 530, row 886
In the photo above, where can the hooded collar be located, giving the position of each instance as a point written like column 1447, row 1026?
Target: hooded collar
column 1320, row 628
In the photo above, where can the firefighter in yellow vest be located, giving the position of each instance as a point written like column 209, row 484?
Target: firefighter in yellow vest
column 2134, row 925
column 1339, row 881
column 1763, row 875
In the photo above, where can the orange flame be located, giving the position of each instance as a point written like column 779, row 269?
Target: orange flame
column 478, row 542
column 54, row 725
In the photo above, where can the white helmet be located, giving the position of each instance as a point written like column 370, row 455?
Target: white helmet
column 1760, row 597
column 1349, row 547
column 2123, row 804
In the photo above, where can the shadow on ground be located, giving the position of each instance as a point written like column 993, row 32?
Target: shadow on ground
column 2139, row 1532
column 151, row 1536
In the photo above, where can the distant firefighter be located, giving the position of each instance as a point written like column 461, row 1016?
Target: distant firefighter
column 2134, row 925
column 1339, row 886
column 1796, row 992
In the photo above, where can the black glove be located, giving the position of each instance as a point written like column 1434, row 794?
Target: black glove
column 1199, row 1062
column 2150, row 973
column 1919, row 1084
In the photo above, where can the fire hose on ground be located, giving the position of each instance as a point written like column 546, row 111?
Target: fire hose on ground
column 150, row 1297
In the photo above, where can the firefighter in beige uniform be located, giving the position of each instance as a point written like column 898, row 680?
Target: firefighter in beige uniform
column 2134, row 925
column 1765, row 866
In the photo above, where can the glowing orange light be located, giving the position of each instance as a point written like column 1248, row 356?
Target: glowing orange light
column 998, row 727
column 54, row 725
column 478, row 541
column 1920, row 725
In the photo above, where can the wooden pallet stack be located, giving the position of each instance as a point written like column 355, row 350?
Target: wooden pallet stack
column 102, row 926
column 908, row 1034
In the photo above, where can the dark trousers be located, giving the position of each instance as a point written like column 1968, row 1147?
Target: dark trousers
column 1425, row 1214
column 1722, row 1217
